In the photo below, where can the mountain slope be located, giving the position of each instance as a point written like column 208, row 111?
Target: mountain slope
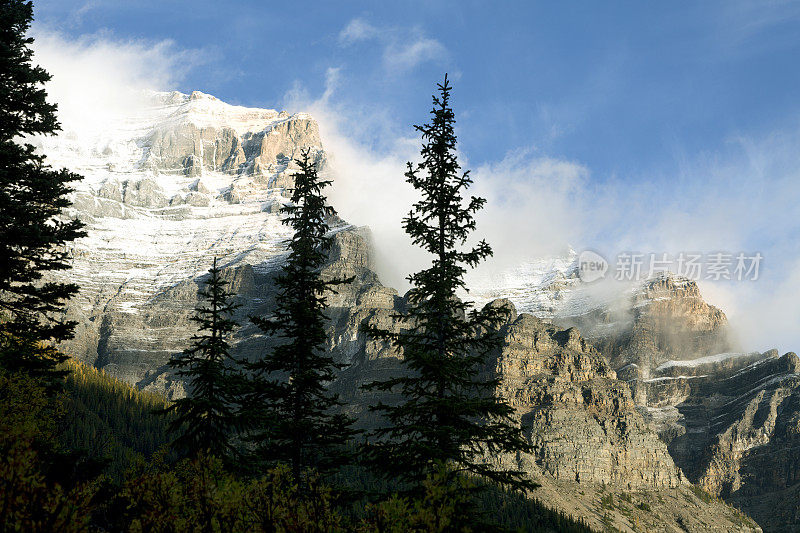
column 185, row 179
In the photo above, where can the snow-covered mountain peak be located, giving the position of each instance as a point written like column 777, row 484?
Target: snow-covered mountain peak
column 163, row 132
column 169, row 183
column 206, row 111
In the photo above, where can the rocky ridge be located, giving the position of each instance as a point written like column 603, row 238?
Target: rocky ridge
column 729, row 418
column 732, row 422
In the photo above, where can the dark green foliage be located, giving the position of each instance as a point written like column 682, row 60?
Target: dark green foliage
column 205, row 419
column 32, row 197
column 194, row 495
column 493, row 509
column 295, row 414
column 448, row 412
column 33, row 494
column 200, row 495
column 157, row 494
column 109, row 420
column 443, row 506
column 449, row 506
column 515, row 512
column 701, row 494
column 279, row 504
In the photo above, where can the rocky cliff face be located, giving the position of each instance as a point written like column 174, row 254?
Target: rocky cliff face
column 185, row 179
column 190, row 178
column 637, row 326
column 732, row 422
column 729, row 419
column 669, row 320
column 582, row 419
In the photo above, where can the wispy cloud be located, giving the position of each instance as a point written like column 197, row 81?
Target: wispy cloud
column 403, row 48
column 357, row 30
column 536, row 206
column 403, row 57
column 98, row 77
column 756, row 26
column 542, row 198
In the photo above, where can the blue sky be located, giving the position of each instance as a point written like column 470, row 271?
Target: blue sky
column 649, row 126
column 627, row 88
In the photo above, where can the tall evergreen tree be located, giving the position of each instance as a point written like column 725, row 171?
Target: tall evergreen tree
column 33, row 232
column 206, row 418
column 296, row 415
column 448, row 412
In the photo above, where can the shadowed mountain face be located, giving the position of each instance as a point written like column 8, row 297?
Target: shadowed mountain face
column 614, row 394
column 732, row 423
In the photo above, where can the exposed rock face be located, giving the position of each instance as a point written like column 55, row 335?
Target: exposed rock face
column 636, row 326
column 670, row 321
column 582, row 419
column 198, row 133
column 732, row 422
column 729, row 418
column 189, row 178
column 144, row 193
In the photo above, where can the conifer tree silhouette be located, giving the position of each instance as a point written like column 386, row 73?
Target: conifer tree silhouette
column 33, row 228
column 206, row 419
column 298, row 420
column 448, row 411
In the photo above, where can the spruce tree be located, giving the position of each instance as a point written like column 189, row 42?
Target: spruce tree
column 298, row 420
column 448, row 411
column 33, row 231
column 206, row 418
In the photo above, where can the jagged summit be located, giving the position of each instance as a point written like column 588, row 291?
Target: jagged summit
column 172, row 132
column 205, row 110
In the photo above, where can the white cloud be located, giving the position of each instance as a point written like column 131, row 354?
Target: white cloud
column 403, row 49
column 406, row 56
column 769, row 316
column 98, row 77
column 357, row 30
column 368, row 185
column 536, row 206
column 331, row 83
